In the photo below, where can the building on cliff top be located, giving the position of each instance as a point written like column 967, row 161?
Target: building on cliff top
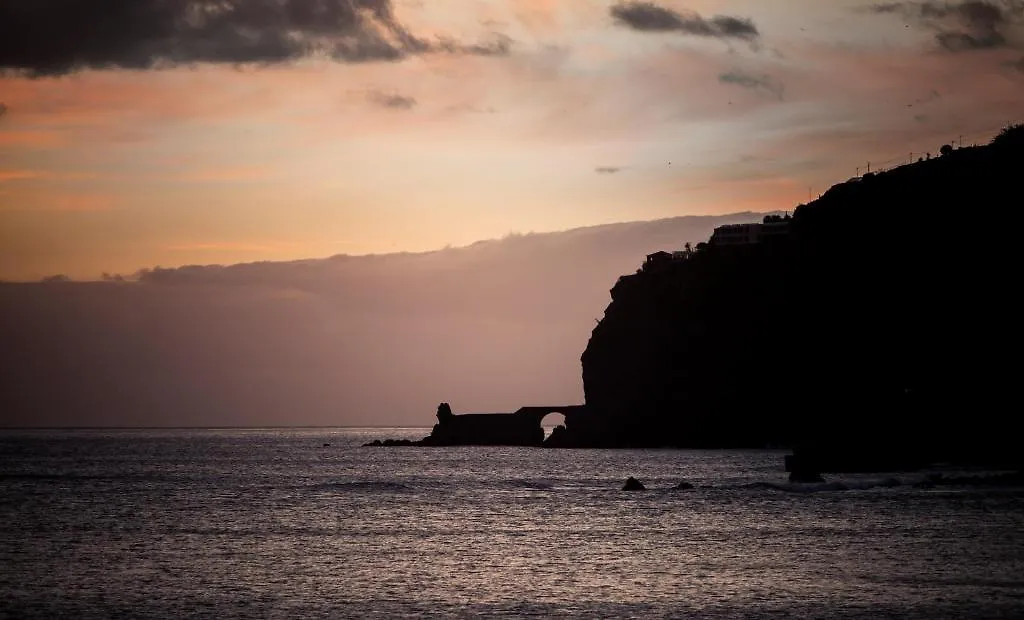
column 745, row 234
column 657, row 260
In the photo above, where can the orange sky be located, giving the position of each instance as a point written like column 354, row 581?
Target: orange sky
column 529, row 115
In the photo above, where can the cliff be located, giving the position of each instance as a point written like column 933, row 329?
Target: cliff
column 883, row 322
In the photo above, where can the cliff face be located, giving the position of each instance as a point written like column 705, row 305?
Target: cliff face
column 890, row 304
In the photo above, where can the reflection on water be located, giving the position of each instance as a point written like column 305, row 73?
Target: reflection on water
column 273, row 523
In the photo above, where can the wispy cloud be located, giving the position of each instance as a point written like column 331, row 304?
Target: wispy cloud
column 20, row 175
column 31, row 139
column 392, row 100
column 753, row 82
column 607, row 169
column 44, row 175
column 81, row 202
column 650, row 17
column 225, row 174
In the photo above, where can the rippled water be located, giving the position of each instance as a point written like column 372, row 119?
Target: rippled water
column 273, row 523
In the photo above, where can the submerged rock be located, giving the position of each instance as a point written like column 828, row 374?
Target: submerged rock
column 684, row 486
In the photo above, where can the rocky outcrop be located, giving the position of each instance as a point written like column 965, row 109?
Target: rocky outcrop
column 868, row 333
column 873, row 328
column 632, row 484
column 521, row 428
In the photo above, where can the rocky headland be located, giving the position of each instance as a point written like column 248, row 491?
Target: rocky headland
column 870, row 330
column 873, row 329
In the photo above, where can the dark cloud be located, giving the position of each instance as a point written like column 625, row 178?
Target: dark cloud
column 649, row 17
column 963, row 26
column 753, row 82
column 962, row 41
column 57, row 37
column 3, row 109
column 607, row 169
column 393, row 101
column 1019, row 65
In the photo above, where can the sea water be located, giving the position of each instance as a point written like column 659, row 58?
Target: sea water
column 307, row 523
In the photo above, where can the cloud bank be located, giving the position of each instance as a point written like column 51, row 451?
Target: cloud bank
column 54, row 37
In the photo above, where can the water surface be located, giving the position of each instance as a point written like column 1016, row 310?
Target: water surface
column 274, row 523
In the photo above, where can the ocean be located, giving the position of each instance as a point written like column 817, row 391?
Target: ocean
column 307, row 523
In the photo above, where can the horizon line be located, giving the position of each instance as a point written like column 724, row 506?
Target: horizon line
column 211, row 428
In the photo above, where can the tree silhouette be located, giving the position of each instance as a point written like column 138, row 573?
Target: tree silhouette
column 947, row 149
column 1011, row 135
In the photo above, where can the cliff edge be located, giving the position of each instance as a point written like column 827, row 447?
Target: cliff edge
column 880, row 318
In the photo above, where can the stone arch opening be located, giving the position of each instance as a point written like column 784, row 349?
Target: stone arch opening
column 550, row 420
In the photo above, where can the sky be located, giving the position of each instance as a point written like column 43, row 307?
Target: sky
column 137, row 133
column 348, row 340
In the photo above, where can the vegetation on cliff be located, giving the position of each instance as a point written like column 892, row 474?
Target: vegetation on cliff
column 884, row 321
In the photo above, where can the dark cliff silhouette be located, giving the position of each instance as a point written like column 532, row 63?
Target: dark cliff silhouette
column 871, row 330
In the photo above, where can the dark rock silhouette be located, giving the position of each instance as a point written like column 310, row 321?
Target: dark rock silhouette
column 559, row 438
column 867, row 331
column 866, row 336
column 803, row 468
column 805, row 476
column 684, row 486
column 393, row 442
column 521, row 428
column 632, row 484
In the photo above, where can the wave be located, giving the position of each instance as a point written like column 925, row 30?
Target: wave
column 534, row 485
column 817, row 487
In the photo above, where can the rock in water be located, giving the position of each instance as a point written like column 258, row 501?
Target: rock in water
column 632, row 484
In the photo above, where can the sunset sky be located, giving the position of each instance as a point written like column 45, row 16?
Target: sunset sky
column 152, row 132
